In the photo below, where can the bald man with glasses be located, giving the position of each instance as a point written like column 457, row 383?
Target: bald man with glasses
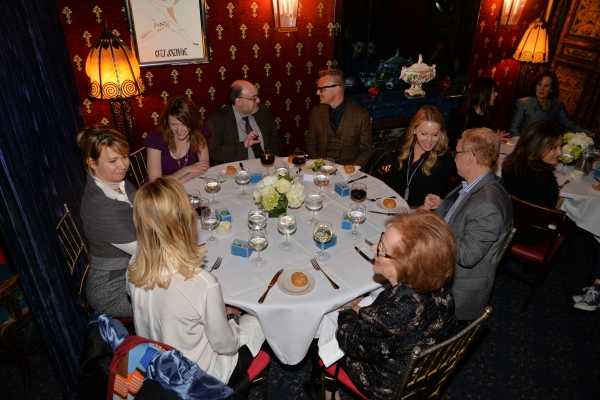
column 338, row 128
column 243, row 129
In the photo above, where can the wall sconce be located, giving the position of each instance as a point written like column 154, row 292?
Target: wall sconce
column 511, row 11
column 114, row 74
column 532, row 49
column 285, row 13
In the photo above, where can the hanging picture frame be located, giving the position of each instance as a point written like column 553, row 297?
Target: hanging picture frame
column 168, row 32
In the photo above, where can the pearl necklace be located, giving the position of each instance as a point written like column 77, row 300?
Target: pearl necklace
column 113, row 185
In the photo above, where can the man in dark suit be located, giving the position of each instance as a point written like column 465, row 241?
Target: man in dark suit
column 338, row 128
column 479, row 213
column 243, row 129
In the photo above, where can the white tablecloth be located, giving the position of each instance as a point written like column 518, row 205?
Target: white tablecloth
column 290, row 322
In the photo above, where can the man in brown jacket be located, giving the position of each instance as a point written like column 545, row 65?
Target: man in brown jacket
column 338, row 128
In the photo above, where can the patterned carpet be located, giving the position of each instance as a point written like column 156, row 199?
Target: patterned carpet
column 549, row 352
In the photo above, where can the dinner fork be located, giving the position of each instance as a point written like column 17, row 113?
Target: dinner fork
column 318, row 268
column 216, row 265
column 377, row 198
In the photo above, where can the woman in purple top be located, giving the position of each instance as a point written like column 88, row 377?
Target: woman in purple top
column 179, row 149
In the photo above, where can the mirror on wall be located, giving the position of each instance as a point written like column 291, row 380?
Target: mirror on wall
column 375, row 30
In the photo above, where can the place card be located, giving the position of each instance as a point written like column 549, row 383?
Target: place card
column 225, row 215
column 256, row 177
column 342, row 189
column 240, row 248
column 346, row 224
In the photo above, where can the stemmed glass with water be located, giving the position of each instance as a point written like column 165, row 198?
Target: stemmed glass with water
column 323, row 233
column 357, row 215
column 286, row 225
column 212, row 184
column 242, row 177
column 314, row 202
column 257, row 219
column 564, row 158
column 258, row 240
column 321, row 178
column 210, row 221
column 328, row 165
column 282, row 169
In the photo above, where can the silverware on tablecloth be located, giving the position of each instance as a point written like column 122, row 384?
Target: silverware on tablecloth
column 354, row 180
column 316, row 266
column 363, row 255
column 564, row 184
column 384, row 213
column 597, row 180
column 377, row 198
column 367, row 241
column 202, row 244
column 216, row 265
column 271, row 284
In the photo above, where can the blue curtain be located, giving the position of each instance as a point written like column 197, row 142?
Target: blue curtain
column 40, row 169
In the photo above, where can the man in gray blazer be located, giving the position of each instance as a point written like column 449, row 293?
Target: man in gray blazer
column 243, row 129
column 338, row 128
column 479, row 213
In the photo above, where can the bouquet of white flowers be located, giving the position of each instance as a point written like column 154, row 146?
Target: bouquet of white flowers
column 276, row 192
column 575, row 143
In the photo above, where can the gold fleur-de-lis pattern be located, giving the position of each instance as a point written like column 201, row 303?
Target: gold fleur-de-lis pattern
column 88, row 105
column 245, row 69
column 243, row 28
column 149, row 77
column 189, row 93
column 77, row 61
column 98, row 11
column 174, row 74
column 232, row 49
column 67, row 11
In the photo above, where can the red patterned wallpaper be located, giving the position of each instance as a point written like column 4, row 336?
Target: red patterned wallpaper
column 493, row 49
column 284, row 66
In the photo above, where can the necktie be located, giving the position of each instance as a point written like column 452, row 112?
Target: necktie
column 258, row 151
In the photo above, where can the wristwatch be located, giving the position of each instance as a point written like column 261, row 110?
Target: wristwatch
column 233, row 317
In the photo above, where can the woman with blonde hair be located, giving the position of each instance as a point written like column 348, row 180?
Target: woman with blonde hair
column 424, row 163
column 107, row 216
column 174, row 300
column 178, row 149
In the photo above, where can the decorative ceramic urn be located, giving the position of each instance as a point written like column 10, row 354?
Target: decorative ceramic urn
column 416, row 75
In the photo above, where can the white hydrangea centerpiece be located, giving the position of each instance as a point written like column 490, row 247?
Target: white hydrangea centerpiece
column 276, row 192
column 574, row 143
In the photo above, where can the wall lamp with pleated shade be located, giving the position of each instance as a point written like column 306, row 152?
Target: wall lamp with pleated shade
column 285, row 13
column 114, row 74
column 532, row 50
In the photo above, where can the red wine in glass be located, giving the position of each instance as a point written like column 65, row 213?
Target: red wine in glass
column 358, row 194
column 298, row 161
column 199, row 210
column 268, row 159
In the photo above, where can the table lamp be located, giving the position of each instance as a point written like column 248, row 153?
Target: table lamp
column 532, row 49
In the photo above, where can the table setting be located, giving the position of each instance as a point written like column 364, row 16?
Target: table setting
column 320, row 257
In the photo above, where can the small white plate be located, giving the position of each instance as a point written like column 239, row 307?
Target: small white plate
column 307, row 165
column 379, row 203
column 224, row 175
column 347, row 176
column 285, row 283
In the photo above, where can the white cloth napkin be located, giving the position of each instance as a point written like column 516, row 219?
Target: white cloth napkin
column 344, row 174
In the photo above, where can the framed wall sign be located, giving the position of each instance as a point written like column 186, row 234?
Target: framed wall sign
column 168, row 32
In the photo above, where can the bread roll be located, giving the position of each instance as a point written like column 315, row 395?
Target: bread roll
column 349, row 168
column 230, row 170
column 389, row 203
column 299, row 279
column 598, row 187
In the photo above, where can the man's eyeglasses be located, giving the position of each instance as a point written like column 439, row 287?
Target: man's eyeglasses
column 320, row 88
column 454, row 153
column 380, row 252
column 254, row 98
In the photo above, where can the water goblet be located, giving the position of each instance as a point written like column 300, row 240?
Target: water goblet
column 257, row 219
column 258, row 240
column 564, row 158
column 357, row 215
column 286, row 225
column 212, row 184
column 314, row 202
column 321, row 178
column 358, row 192
column 268, row 159
column 242, row 177
column 328, row 165
column 195, row 197
column 210, row 221
column 298, row 159
column 282, row 169
column 323, row 233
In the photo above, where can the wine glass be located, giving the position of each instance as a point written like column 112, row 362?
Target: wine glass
column 212, row 184
column 258, row 240
column 356, row 215
column 298, row 159
column 210, row 221
column 564, row 158
column 257, row 219
column 268, row 159
column 286, row 225
column 314, row 202
column 328, row 165
column 321, row 178
column 323, row 233
column 282, row 169
column 358, row 192
column 195, row 197
column 242, row 177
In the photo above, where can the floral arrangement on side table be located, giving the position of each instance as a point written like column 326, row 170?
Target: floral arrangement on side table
column 276, row 192
column 574, row 143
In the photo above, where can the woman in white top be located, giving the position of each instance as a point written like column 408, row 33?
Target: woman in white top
column 174, row 300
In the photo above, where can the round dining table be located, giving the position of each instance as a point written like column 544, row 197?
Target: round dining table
column 290, row 322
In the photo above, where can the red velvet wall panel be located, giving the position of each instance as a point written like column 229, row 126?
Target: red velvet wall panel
column 284, row 66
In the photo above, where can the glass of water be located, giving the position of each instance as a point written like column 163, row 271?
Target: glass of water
column 356, row 215
column 286, row 225
column 282, row 169
column 210, row 221
column 242, row 177
column 321, row 178
column 258, row 240
column 314, row 202
column 257, row 219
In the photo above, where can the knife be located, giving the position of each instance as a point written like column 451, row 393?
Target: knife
column 354, row 180
column 271, row 284
column 597, row 180
column 363, row 255
column 384, row 213
column 564, row 184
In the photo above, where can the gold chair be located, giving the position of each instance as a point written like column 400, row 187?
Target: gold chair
column 74, row 247
column 427, row 371
column 507, row 242
column 137, row 167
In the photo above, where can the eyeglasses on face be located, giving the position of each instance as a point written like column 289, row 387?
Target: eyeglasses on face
column 320, row 88
column 253, row 98
column 454, row 153
column 380, row 252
